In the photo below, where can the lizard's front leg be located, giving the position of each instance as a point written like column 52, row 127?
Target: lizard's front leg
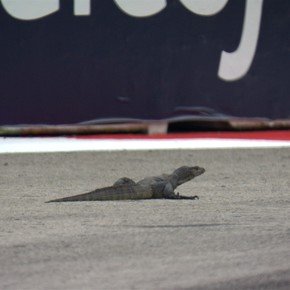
column 186, row 197
column 178, row 196
column 169, row 193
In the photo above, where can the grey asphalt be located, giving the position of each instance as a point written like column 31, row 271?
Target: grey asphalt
column 237, row 236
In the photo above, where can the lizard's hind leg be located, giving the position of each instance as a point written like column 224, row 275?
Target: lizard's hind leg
column 124, row 181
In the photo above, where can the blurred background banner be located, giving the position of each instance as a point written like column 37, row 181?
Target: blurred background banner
column 67, row 62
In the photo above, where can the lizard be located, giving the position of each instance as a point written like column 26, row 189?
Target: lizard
column 155, row 187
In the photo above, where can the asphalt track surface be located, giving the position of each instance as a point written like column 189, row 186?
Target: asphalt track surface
column 237, row 236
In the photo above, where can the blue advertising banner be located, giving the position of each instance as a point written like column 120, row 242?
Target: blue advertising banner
column 64, row 62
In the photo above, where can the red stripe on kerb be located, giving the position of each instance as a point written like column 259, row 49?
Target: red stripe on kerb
column 257, row 135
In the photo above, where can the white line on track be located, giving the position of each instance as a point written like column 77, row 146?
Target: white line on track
column 62, row 144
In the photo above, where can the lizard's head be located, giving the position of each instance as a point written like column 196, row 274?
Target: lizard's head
column 186, row 173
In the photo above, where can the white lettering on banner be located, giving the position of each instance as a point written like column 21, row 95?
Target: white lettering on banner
column 30, row 9
column 205, row 7
column 82, row 7
column 35, row 9
column 141, row 8
column 233, row 65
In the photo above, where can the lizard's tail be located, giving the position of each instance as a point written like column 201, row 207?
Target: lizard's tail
column 98, row 194
column 70, row 198
column 119, row 192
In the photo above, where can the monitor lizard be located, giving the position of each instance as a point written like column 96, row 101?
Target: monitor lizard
column 162, row 186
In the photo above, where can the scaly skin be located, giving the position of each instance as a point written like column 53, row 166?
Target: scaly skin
column 116, row 192
column 162, row 186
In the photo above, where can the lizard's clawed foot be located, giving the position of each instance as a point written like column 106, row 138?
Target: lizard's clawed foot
column 178, row 196
column 188, row 197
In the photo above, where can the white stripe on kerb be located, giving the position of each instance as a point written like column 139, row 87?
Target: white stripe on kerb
column 61, row 144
